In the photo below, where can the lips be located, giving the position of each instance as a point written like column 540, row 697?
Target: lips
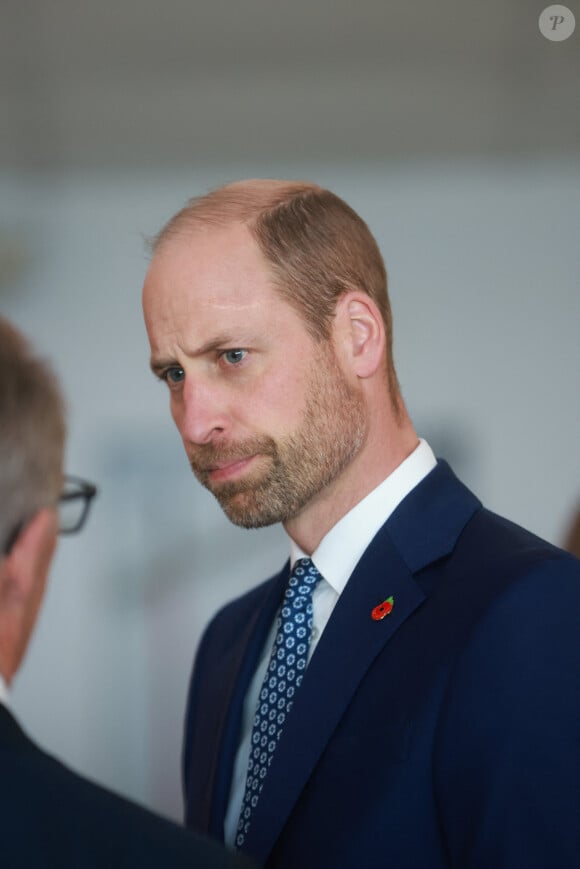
column 212, row 463
column 220, row 466
column 227, row 469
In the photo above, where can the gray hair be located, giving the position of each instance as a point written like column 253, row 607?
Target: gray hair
column 32, row 432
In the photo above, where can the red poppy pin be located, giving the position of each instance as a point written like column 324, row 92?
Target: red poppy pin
column 383, row 609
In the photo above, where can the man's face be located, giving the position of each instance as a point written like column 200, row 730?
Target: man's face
column 267, row 417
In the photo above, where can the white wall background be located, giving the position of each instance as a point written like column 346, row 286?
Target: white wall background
column 483, row 259
column 451, row 126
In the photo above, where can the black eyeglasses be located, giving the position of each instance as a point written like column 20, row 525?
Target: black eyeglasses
column 73, row 508
column 74, row 504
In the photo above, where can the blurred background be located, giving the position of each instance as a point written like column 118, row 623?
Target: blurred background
column 452, row 127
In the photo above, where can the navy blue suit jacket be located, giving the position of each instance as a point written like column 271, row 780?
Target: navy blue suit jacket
column 445, row 735
column 51, row 818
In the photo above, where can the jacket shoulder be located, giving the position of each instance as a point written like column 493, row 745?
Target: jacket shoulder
column 54, row 817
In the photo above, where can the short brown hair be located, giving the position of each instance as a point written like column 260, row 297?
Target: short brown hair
column 32, row 432
column 317, row 246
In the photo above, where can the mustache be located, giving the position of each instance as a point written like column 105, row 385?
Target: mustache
column 204, row 457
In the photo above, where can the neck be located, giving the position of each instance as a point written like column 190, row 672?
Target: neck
column 383, row 451
column 7, row 669
column 9, row 642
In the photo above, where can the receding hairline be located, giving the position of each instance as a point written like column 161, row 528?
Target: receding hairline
column 241, row 202
column 309, row 236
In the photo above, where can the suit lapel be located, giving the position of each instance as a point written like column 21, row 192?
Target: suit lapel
column 424, row 528
column 351, row 641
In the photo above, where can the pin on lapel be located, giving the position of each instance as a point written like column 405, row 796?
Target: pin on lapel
column 383, row 609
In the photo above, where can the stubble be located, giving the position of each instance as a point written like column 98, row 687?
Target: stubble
column 300, row 465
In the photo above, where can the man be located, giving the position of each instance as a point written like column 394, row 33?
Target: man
column 406, row 692
column 49, row 816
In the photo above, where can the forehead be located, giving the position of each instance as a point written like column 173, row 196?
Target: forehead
column 213, row 282
column 208, row 266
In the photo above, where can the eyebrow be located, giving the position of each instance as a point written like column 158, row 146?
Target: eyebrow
column 218, row 343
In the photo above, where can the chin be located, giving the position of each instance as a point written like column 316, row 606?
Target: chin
column 250, row 518
column 245, row 510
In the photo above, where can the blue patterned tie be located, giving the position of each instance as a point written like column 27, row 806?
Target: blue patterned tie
column 283, row 677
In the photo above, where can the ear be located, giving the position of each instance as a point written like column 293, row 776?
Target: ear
column 22, row 582
column 27, row 563
column 361, row 333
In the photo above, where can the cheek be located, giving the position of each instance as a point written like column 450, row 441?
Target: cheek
column 176, row 409
column 277, row 401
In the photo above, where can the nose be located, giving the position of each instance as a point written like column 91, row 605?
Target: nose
column 199, row 412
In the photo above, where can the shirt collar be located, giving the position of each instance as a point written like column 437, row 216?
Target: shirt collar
column 340, row 549
column 4, row 695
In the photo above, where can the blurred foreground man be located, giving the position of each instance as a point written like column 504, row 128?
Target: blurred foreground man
column 406, row 692
column 50, row 817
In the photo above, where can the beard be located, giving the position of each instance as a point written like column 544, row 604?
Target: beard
column 301, row 464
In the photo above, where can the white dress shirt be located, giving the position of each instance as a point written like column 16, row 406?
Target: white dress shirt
column 4, row 696
column 335, row 557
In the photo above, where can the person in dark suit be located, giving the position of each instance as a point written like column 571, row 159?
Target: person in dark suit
column 49, row 816
column 406, row 692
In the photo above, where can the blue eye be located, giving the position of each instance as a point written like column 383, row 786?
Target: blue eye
column 234, row 357
column 174, row 375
